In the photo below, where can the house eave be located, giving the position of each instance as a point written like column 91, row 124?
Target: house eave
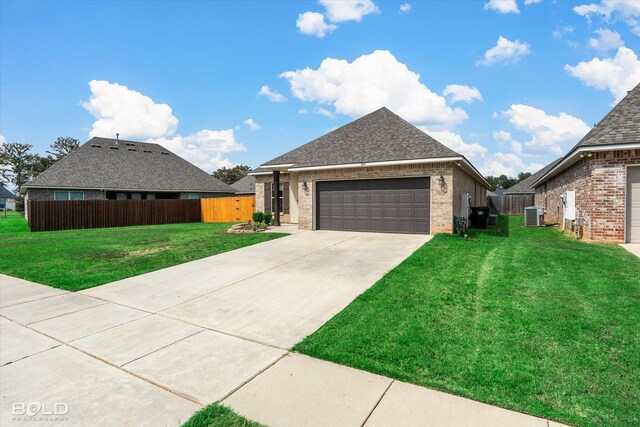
column 574, row 156
column 146, row 190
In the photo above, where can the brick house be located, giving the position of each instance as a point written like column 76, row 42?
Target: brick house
column 104, row 168
column 594, row 191
column 377, row 173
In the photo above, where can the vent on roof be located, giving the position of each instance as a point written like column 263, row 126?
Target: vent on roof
column 164, row 152
column 130, row 144
column 132, row 149
column 146, row 151
column 113, row 147
column 96, row 145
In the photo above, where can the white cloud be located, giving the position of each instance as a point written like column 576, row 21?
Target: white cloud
column 370, row 82
column 558, row 33
column 348, row 10
column 502, row 136
column 456, row 143
column 252, row 125
column 528, row 2
column 405, row 7
column 462, row 93
column 502, row 6
column 118, row 109
column 549, row 133
column 312, row 23
column 271, row 94
column 303, row 111
column 618, row 74
column 505, row 51
column 627, row 10
column 324, row 112
column 605, row 40
column 508, row 164
column 3, row 140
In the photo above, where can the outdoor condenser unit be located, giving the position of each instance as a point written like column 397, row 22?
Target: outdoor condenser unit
column 534, row 216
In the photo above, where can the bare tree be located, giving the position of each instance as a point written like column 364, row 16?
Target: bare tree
column 62, row 146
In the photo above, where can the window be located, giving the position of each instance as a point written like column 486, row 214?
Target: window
column 68, row 195
column 121, row 196
column 280, row 198
column 192, row 196
column 136, row 196
column 151, row 196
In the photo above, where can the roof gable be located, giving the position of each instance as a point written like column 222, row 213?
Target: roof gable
column 6, row 194
column 378, row 136
column 246, row 184
column 104, row 163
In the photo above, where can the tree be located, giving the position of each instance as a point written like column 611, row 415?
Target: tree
column 231, row 175
column 62, row 146
column 16, row 163
column 504, row 181
column 40, row 164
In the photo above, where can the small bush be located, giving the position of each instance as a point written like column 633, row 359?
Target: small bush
column 268, row 218
column 258, row 217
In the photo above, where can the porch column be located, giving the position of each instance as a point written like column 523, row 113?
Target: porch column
column 276, row 197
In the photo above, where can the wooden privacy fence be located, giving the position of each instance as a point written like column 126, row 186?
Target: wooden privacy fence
column 510, row 204
column 66, row 215
column 228, row 209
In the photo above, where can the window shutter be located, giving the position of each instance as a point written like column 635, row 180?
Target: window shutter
column 285, row 198
column 267, row 197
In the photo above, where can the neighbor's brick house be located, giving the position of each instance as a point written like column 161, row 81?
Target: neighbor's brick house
column 604, row 171
column 377, row 173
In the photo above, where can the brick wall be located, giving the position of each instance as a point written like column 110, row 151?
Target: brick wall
column 48, row 194
column 465, row 183
column 442, row 197
column 599, row 182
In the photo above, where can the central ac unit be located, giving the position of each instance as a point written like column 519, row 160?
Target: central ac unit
column 534, row 216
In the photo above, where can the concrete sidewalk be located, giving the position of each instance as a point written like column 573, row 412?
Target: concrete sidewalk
column 152, row 349
column 634, row 248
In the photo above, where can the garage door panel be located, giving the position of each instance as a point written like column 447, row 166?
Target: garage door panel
column 397, row 205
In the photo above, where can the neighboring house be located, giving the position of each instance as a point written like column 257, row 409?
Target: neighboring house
column 524, row 187
column 245, row 185
column 104, row 168
column 7, row 199
column 602, row 174
column 377, row 173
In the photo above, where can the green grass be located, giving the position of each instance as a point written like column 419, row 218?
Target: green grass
column 80, row 259
column 526, row 319
column 216, row 415
column 13, row 223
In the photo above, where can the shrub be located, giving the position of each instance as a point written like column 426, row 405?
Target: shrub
column 268, row 218
column 258, row 217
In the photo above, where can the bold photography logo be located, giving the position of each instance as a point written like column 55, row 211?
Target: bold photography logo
column 40, row 409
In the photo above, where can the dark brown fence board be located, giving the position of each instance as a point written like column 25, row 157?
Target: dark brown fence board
column 69, row 215
column 510, row 204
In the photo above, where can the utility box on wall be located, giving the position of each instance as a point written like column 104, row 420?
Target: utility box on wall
column 569, row 204
column 465, row 205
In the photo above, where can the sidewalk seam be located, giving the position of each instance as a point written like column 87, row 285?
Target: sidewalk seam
column 378, row 402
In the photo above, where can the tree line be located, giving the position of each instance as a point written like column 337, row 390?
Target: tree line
column 19, row 165
column 504, row 181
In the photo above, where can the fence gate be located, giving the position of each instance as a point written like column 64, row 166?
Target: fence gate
column 228, row 209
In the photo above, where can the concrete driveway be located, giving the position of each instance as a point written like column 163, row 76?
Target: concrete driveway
column 152, row 349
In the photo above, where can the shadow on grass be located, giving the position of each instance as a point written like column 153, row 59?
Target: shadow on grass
column 501, row 230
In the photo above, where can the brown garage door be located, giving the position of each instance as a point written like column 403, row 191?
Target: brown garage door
column 399, row 205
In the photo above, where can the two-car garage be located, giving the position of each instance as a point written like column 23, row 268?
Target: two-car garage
column 397, row 205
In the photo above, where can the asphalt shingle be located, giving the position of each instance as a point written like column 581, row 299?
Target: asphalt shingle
column 103, row 164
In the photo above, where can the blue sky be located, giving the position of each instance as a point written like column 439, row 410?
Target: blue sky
column 510, row 84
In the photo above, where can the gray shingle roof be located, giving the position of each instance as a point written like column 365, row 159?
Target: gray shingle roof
column 6, row 194
column 620, row 126
column 525, row 186
column 376, row 137
column 245, row 185
column 100, row 163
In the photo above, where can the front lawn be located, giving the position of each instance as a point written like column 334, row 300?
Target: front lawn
column 216, row 415
column 80, row 259
column 528, row 320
